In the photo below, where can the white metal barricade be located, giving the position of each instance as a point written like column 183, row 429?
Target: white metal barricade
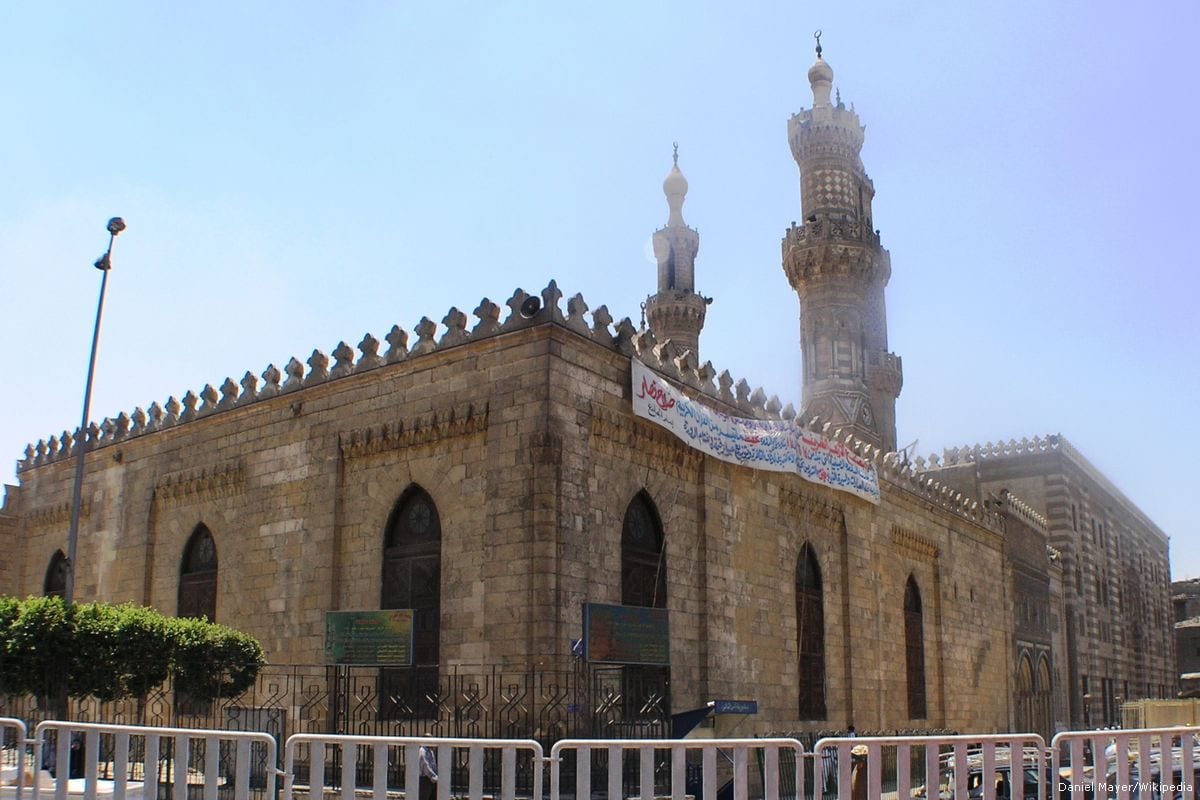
column 404, row 752
column 1124, row 764
column 14, row 757
column 736, row 751
column 971, row 765
column 158, row 755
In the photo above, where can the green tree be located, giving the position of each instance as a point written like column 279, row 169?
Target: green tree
column 211, row 661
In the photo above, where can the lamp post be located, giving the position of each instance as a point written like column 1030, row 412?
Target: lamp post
column 104, row 264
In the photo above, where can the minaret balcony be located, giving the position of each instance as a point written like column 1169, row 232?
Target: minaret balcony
column 885, row 372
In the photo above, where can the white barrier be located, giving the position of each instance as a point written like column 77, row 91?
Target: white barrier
column 708, row 748
column 15, row 760
column 125, row 760
column 970, row 762
column 381, row 749
column 1124, row 764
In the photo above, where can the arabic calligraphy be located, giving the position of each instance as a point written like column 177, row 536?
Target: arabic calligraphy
column 775, row 445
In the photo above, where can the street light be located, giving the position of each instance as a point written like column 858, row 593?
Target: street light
column 104, row 264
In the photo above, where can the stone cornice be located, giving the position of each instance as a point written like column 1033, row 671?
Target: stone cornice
column 616, row 434
column 201, row 485
column 447, row 423
column 914, row 545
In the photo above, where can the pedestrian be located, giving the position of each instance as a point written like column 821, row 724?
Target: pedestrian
column 427, row 760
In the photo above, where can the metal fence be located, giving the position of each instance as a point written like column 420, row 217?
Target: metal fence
column 706, row 768
column 465, row 768
column 1124, row 764
column 974, row 766
column 463, row 702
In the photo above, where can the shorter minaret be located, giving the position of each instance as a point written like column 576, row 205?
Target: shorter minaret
column 676, row 311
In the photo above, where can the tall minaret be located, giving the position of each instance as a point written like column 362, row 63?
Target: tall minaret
column 835, row 263
column 676, row 312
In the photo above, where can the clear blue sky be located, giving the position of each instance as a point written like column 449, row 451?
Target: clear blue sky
column 295, row 174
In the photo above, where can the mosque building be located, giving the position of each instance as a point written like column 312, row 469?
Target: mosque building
column 550, row 493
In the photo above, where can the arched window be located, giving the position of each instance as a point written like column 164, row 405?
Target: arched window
column 198, row 577
column 810, row 634
column 412, row 578
column 55, row 584
column 645, row 688
column 914, row 650
column 643, row 562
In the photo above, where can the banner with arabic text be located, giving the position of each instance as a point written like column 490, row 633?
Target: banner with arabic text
column 775, row 445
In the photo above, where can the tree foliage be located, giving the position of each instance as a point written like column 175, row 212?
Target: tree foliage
column 113, row 652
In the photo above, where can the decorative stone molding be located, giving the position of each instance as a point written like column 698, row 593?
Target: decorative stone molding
column 677, row 364
column 442, row 424
column 914, row 545
column 618, row 435
column 201, row 485
column 57, row 515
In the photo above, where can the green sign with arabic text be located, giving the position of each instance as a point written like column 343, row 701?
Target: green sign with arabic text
column 369, row 638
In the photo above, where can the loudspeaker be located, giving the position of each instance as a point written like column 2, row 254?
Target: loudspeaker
column 531, row 306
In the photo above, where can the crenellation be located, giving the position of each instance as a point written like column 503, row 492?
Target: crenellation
column 318, row 368
column 455, row 323
column 576, row 308
column 601, row 319
column 343, row 360
column 121, row 425
column 397, row 340
column 488, row 314
column 295, row 376
column 370, row 358
column 209, row 399
column 271, row 378
column 249, row 385
column 425, row 330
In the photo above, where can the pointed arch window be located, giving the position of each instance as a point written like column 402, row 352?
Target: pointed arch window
column 643, row 562
column 412, row 578
column 914, row 650
column 645, row 689
column 55, row 583
column 810, row 634
column 198, row 577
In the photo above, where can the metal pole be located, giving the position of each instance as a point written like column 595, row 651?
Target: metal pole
column 104, row 264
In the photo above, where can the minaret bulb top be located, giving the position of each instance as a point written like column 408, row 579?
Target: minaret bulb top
column 820, row 77
column 675, row 187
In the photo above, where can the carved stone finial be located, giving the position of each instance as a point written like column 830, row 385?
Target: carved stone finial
column 138, row 418
column 229, row 394
column 189, row 406
column 271, row 378
column 456, row 328
column 39, row 452
column 51, row 447
column 725, row 384
column 550, row 297
column 758, row 399
column 601, row 319
column 369, row 347
column 318, row 368
column 488, row 314
column 773, row 406
column 425, row 341
column 121, row 426
column 29, row 454
column 515, row 317
column 743, row 392
column 295, row 375
column 343, row 360
column 624, row 336
column 705, row 375
column 210, row 398
column 576, row 308
column 249, row 388
column 397, row 340
column 155, row 414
